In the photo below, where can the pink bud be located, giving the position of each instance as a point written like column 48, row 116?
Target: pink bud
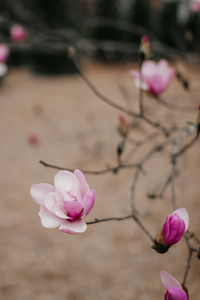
column 4, row 52
column 123, row 125
column 18, row 33
column 199, row 107
column 122, row 119
column 175, row 226
column 33, row 138
column 175, row 291
column 145, row 39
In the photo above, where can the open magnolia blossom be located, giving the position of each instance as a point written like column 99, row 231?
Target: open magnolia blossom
column 4, row 52
column 154, row 77
column 18, row 33
column 175, row 291
column 172, row 231
column 195, row 5
column 66, row 204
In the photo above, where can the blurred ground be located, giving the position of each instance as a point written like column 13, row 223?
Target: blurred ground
column 76, row 130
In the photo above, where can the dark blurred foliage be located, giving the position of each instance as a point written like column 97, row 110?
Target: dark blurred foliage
column 112, row 29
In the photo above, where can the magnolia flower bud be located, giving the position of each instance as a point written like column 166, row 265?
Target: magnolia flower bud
column 172, row 231
column 144, row 48
column 175, row 291
column 123, row 125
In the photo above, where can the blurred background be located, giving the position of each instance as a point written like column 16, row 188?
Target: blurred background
column 105, row 31
column 48, row 113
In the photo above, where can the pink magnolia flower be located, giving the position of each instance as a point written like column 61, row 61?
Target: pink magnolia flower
column 18, row 33
column 4, row 52
column 175, row 226
column 195, row 5
column 66, row 204
column 175, row 291
column 155, row 77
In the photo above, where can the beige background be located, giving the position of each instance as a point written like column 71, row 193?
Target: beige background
column 76, row 130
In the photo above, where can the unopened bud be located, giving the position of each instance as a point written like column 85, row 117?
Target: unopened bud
column 123, row 125
column 144, row 48
column 173, row 229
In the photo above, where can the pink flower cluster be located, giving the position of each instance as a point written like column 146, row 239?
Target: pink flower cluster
column 175, row 290
column 154, row 77
column 66, row 204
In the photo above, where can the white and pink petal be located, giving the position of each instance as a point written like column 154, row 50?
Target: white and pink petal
column 88, row 202
column 39, row 191
column 182, row 213
column 73, row 227
column 65, row 180
column 169, row 280
column 49, row 219
column 83, row 182
column 74, row 209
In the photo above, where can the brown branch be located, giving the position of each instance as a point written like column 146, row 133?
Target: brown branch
column 191, row 251
column 101, row 172
column 175, row 107
column 124, row 218
column 184, row 149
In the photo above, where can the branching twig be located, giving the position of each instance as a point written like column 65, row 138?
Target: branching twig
column 134, row 217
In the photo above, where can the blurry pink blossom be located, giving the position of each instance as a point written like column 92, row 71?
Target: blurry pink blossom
column 65, row 205
column 4, row 52
column 175, row 291
column 155, row 77
column 175, row 226
column 33, row 138
column 195, row 5
column 18, row 33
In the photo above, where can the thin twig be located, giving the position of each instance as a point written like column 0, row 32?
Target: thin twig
column 134, row 217
column 191, row 251
column 175, row 107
